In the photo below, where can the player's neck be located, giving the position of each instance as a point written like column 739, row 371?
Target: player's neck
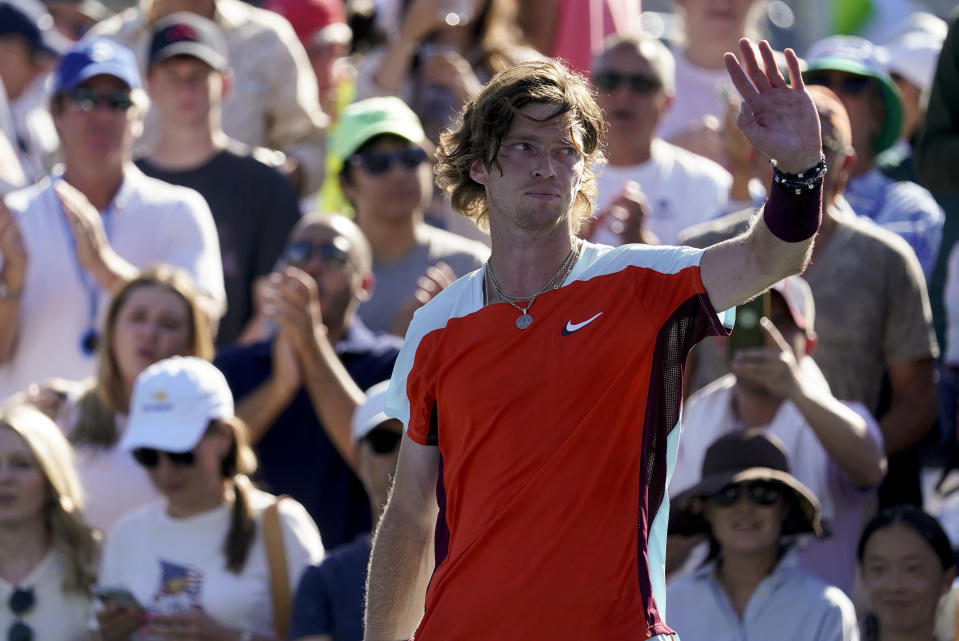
column 523, row 263
column 390, row 238
column 22, row 546
column 99, row 185
column 183, row 148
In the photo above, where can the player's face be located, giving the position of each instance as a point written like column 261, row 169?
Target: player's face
column 96, row 123
column 184, row 89
column 904, row 579
column 542, row 169
column 630, row 94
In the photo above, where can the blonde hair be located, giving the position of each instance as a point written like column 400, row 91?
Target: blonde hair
column 487, row 119
column 97, row 405
column 70, row 536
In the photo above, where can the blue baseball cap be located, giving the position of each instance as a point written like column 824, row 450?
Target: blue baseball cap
column 95, row 57
column 38, row 30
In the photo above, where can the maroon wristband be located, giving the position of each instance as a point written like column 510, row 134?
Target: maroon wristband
column 791, row 217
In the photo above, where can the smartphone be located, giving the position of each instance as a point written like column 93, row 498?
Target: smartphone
column 747, row 332
column 120, row 597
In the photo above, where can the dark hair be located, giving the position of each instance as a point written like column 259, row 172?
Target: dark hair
column 488, row 117
column 239, row 462
column 922, row 523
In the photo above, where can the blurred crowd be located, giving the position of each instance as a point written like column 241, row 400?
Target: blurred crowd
column 219, row 218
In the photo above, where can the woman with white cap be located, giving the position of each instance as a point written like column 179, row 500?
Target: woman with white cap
column 749, row 506
column 196, row 563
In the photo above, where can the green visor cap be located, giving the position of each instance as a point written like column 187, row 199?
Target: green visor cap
column 372, row 117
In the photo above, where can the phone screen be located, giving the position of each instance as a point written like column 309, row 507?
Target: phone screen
column 747, row 331
column 117, row 596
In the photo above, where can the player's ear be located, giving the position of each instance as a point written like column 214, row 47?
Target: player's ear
column 479, row 172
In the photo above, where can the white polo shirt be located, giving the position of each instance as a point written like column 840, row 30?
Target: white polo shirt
column 149, row 222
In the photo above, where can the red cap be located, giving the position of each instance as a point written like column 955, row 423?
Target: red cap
column 308, row 16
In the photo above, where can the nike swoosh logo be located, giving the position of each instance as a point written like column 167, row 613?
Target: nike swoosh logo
column 575, row 327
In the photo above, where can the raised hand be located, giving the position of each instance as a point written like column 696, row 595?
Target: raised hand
column 779, row 120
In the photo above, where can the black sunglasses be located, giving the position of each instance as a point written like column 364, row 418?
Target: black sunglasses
column 379, row 162
column 762, row 493
column 86, row 99
column 328, row 254
column 150, row 458
column 637, row 83
column 20, row 602
column 383, row 440
column 846, row 83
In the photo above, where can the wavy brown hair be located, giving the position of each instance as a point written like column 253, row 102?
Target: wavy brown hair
column 109, row 394
column 487, row 119
column 70, row 536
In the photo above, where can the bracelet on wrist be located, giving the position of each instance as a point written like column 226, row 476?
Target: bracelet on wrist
column 805, row 181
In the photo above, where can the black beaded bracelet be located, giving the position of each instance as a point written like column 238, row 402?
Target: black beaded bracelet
column 804, row 181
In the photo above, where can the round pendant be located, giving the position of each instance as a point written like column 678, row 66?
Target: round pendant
column 524, row 321
column 89, row 342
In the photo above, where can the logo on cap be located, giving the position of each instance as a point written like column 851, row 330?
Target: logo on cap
column 181, row 32
column 101, row 51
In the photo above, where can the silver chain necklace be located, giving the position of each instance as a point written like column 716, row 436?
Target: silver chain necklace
column 525, row 320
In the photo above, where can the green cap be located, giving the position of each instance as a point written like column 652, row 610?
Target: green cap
column 858, row 56
column 372, row 117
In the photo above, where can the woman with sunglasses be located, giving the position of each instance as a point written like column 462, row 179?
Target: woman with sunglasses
column 749, row 587
column 47, row 552
column 151, row 317
column 906, row 563
column 196, row 562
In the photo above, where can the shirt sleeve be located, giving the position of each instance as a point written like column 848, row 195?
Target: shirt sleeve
column 908, row 331
column 301, row 539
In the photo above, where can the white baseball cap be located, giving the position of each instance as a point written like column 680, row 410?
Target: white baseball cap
column 372, row 412
column 173, row 402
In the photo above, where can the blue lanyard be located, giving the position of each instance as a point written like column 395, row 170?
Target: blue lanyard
column 90, row 337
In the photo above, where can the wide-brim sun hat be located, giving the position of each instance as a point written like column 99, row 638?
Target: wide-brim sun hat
column 739, row 457
column 858, row 56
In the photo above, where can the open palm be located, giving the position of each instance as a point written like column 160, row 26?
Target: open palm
column 780, row 120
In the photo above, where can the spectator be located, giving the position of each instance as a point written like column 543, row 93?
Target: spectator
column 635, row 78
column 298, row 389
column 852, row 68
column 47, row 552
column 437, row 67
column 386, row 175
column 74, row 18
column 703, row 90
column 73, row 238
column 29, row 48
column 11, row 173
column 152, row 317
column 273, row 103
column 834, row 448
column 873, row 312
column 750, row 585
column 911, row 63
column 329, row 600
column 907, row 564
column 253, row 205
column 196, row 561
column 939, row 142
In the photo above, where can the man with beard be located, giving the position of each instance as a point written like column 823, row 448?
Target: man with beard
column 297, row 391
column 835, row 448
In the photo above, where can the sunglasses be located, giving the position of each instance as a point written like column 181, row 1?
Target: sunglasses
column 761, row 493
column 637, row 83
column 379, row 162
column 328, row 254
column 150, row 458
column 845, row 83
column 86, row 99
column 20, row 602
column 383, row 440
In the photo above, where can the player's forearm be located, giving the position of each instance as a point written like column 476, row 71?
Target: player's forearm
column 400, row 566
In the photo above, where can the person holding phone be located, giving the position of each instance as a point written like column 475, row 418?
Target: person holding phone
column 47, row 551
column 196, row 561
column 834, row 447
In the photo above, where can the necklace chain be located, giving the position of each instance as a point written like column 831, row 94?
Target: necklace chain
column 564, row 269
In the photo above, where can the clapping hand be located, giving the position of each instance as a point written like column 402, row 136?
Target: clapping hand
column 779, row 120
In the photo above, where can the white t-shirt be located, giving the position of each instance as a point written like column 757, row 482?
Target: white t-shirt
column 149, row 222
column 683, row 188
column 698, row 94
column 56, row 615
column 173, row 565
